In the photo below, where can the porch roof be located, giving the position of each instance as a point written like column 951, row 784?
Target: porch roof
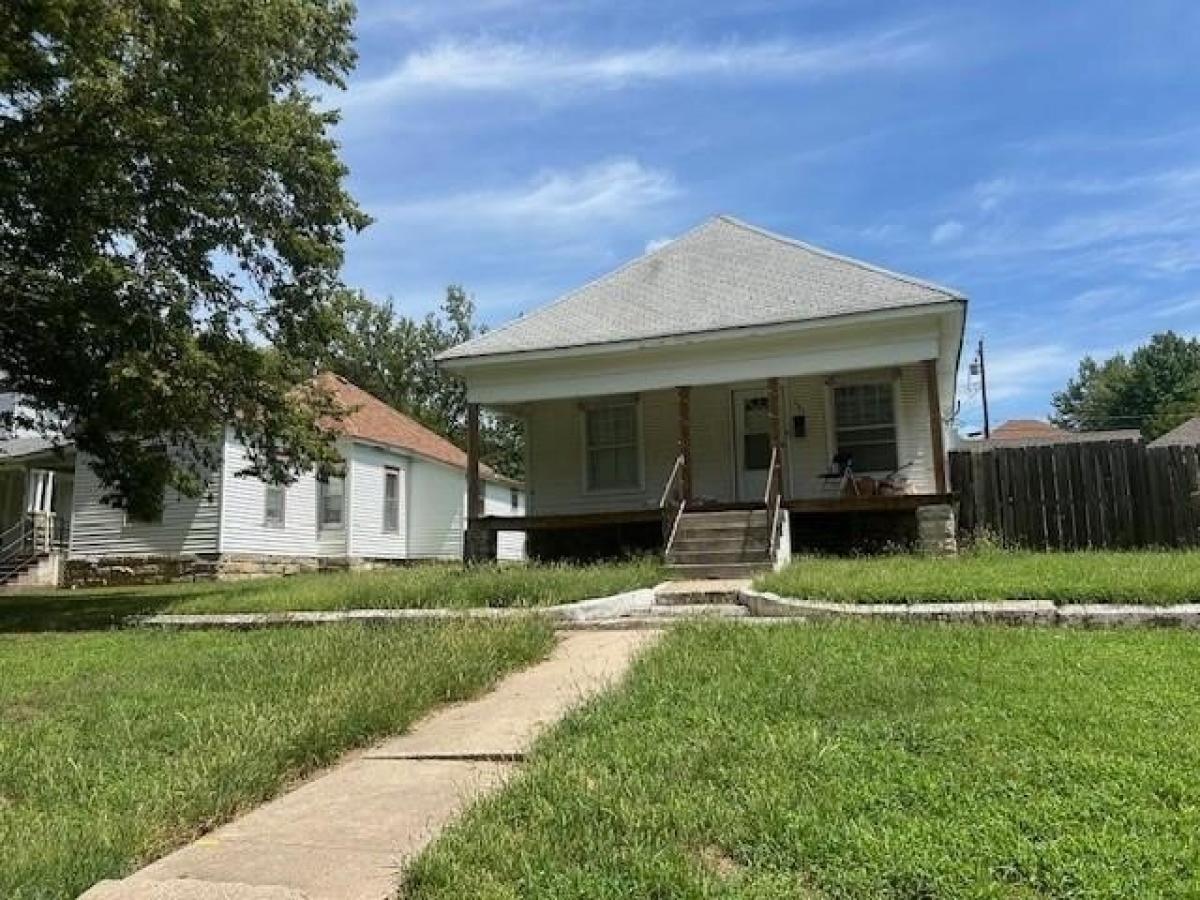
column 723, row 275
column 21, row 451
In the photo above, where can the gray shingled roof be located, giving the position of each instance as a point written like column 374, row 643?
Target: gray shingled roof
column 724, row 274
column 1181, row 435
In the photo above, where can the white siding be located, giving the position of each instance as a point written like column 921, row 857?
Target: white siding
column 436, row 495
column 497, row 501
column 364, row 503
column 244, row 499
column 188, row 526
column 555, row 435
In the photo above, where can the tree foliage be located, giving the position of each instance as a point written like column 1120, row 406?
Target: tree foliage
column 392, row 357
column 1155, row 388
column 172, row 219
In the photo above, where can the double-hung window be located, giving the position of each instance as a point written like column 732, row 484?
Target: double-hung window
column 331, row 502
column 274, row 506
column 865, row 425
column 391, row 500
column 611, row 446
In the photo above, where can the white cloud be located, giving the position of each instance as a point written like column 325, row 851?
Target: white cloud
column 657, row 244
column 946, row 232
column 606, row 191
column 509, row 67
column 1014, row 372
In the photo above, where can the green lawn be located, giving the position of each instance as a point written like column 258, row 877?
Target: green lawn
column 858, row 760
column 419, row 586
column 116, row 746
column 1156, row 577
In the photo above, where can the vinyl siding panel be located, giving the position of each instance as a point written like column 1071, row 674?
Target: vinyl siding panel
column 244, row 502
column 365, row 502
column 497, row 501
column 188, row 527
column 556, row 465
column 437, row 503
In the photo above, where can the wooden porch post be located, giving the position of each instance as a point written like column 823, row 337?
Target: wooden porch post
column 685, row 437
column 774, row 414
column 936, row 430
column 474, row 497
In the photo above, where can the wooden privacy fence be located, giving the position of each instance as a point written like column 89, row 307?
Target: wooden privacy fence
column 1074, row 496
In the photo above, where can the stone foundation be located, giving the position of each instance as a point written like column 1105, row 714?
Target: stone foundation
column 936, row 531
column 130, row 570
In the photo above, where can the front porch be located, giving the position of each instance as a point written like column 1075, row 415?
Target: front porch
column 36, row 491
column 619, row 473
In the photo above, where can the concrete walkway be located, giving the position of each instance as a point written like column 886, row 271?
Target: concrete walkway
column 347, row 834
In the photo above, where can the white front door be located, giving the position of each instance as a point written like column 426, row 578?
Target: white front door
column 752, row 442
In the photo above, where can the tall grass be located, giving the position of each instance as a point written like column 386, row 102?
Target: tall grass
column 420, row 586
column 1145, row 576
column 857, row 760
column 117, row 746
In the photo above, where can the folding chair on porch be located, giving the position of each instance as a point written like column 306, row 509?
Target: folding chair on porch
column 839, row 480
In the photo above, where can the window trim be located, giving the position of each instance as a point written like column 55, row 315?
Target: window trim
column 831, row 415
column 322, row 487
column 393, row 503
column 638, row 445
column 282, row 522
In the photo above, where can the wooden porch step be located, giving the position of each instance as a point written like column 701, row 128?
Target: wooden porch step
column 714, row 557
column 722, row 570
column 741, row 541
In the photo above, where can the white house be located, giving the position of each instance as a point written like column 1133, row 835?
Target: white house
column 722, row 396
column 403, row 497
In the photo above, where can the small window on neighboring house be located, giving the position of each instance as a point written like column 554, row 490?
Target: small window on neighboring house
column 331, row 500
column 611, row 446
column 391, row 500
column 275, row 506
column 865, row 420
column 514, row 500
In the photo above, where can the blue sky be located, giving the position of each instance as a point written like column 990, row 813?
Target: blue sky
column 1042, row 157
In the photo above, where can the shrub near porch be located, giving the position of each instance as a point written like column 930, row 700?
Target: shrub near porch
column 1146, row 576
column 858, row 760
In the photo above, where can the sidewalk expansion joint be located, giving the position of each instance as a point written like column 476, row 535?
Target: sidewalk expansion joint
column 449, row 757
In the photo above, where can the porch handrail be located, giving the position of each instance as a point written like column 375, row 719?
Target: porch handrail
column 773, row 497
column 673, row 502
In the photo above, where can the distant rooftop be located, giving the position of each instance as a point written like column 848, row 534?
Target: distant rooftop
column 723, row 275
column 1040, row 433
column 1183, row 435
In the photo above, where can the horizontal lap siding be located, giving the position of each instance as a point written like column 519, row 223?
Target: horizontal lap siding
column 497, row 501
column 368, row 467
column 914, row 438
column 188, row 527
column 555, row 479
column 242, row 525
column 437, row 496
column 556, row 444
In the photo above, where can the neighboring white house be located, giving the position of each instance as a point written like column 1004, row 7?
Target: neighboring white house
column 732, row 373
column 403, row 497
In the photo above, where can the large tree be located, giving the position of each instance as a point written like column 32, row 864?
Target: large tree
column 1154, row 389
column 172, row 218
column 392, row 357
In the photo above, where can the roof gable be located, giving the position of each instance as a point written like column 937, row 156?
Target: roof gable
column 368, row 418
column 723, row 275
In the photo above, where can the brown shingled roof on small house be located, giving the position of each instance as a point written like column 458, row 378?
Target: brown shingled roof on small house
column 1184, row 435
column 1040, row 433
column 370, row 419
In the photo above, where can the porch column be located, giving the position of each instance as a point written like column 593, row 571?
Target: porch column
column 685, row 437
column 774, row 415
column 936, row 431
column 479, row 543
column 474, row 507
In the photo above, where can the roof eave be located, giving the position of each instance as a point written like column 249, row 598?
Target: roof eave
column 453, row 362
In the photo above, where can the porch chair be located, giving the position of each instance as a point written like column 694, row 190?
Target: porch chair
column 839, row 479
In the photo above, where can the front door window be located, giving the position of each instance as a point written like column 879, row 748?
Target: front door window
column 753, row 442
